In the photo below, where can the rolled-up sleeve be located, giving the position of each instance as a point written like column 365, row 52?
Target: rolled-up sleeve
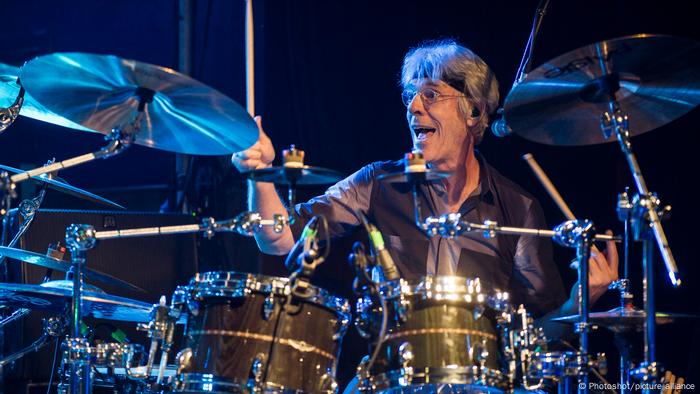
column 339, row 204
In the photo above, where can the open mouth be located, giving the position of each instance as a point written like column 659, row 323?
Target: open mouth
column 423, row 133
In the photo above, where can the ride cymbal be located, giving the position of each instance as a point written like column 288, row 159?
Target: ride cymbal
column 102, row 92
column 655, row 78
column 297, row 176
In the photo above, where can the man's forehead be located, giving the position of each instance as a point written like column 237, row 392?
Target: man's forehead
column 425, row 82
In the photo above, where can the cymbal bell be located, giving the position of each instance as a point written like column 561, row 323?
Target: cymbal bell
column 64, row 187
column 45, row 261
column 295, row 176
column 655, row 79
column 9, row 89
column 622, row 320
column 103, row 92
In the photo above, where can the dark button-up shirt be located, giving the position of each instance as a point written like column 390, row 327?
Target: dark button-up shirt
column 521, row 265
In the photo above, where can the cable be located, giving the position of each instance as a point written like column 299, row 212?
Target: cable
column 53, row 366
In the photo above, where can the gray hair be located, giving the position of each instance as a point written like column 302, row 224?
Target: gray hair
column 459, row 67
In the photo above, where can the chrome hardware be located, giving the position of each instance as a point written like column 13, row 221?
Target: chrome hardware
column 406, row 359
column 269, row 306
column 278, row 223
column 328, row 383
column 184, row 360
column 256, row 374
column 80, row 237
column 341, row 327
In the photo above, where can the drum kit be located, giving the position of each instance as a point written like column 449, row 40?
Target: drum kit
column 248, row 333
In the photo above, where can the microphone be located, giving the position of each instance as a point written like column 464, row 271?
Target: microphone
column 383, row 257
column 307, row 234
column 499, row 127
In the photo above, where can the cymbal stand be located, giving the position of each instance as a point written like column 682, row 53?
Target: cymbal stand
column 118, row 139
column 53, row 328
column 9, row 114
column 624, row 207
column 645, row 220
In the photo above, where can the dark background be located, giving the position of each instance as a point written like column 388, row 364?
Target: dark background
column 326, row 80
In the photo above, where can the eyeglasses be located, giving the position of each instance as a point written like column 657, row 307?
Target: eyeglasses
column 428, row 95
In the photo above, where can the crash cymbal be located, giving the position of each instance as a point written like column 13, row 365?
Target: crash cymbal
column 9, row 89
column 63, row 187
column 561, row 102
column 55, row 297
column 63, row 266
column 414, row 177
column 305, row 175
column 619, row 319
column 102, row 92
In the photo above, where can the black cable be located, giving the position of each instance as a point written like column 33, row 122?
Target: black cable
column 53, row 366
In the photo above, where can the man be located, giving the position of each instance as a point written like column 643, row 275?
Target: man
column 448, row 93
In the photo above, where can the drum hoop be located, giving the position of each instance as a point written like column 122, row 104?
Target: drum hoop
column 231, row 284
column 453, row 289
column 446, row 375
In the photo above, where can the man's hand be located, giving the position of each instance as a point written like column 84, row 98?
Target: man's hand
column 260, row 155
column 602, row 270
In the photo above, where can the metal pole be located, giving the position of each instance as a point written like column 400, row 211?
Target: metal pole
column 650, row 309
column 583, row 252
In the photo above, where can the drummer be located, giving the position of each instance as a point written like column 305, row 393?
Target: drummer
column 449, row 93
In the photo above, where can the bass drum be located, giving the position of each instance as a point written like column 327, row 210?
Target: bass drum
column 249, row 333
column 442, row 337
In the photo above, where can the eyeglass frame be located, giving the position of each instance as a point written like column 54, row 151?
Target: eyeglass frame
column 425, row 100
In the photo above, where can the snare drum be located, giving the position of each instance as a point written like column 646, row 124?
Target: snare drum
column 247, row 333
column 442, row 337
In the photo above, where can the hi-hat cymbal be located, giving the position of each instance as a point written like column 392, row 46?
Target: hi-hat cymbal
column 561, row 102
column 55, row 297
column 65, row 188
column 9, row 89
column 414, row 177
column 102, row 92
column 620, row 319
column 63, row 266
column 297, row 176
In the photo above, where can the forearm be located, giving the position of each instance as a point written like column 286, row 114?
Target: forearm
column 263, row 199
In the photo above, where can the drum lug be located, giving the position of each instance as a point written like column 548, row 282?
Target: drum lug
column 341, row 326
column 478, row 311
column 184, row 360
column 402, row 309
column 482, row 354
column 269, row 306
column 406, row 359
column 328, row 383
column 256, row 374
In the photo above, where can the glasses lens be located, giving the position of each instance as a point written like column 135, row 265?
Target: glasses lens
column 430, row 96
column 407, row 96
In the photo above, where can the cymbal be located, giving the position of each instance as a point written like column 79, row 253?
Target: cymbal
column 561, row 102
column 414, row 177
column 102, row 92
column 64, row 187
column 56, row 296
column 305, row 175
column 619, row 319
column 9, row 89
column 63, row 266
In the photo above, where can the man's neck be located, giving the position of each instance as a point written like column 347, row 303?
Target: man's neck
column 464, row 180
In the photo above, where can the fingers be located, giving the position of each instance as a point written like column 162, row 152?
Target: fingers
column 260, row 155
column 611, row 254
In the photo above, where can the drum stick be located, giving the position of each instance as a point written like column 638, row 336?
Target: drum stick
column 549, row 186
column 250, row 58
